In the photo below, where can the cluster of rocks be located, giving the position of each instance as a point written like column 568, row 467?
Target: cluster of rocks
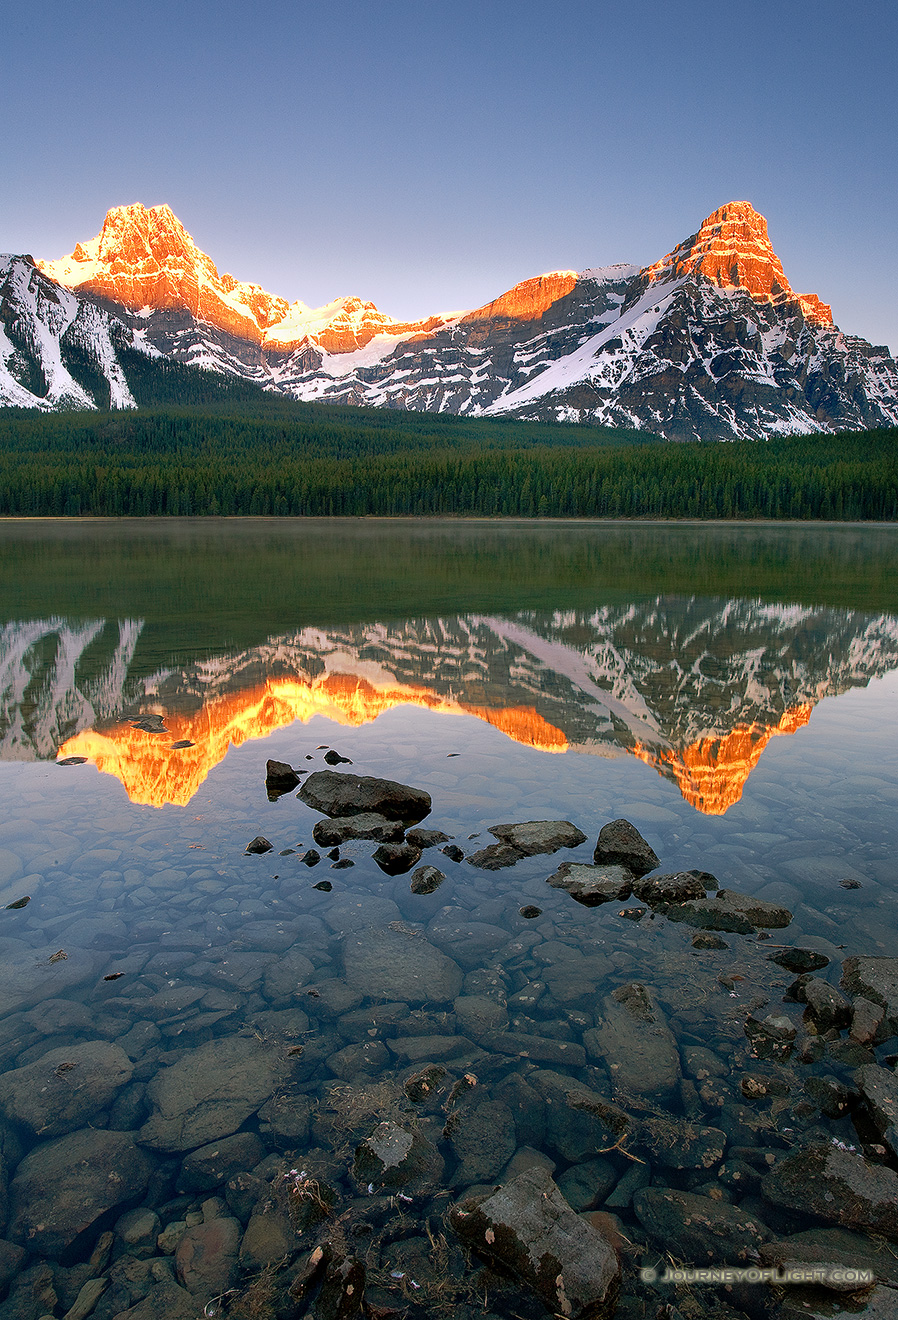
column 380, row 1103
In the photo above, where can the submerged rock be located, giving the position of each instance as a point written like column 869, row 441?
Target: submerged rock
column 528, row 1228
column 62, row 1187
column 210, row 1092
column 620, row 844
column 634, row 1040
column 879, row 1087
column 64, row 1088
column 483, row 1139
column 391, row 965
column 341, row 794
column 394, row 1156
column 426, row 838
column 839, row 1185
column 798, row 960
column 592, row 885
column 699, row 1229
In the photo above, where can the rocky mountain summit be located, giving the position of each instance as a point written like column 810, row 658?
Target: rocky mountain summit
column 710, row 342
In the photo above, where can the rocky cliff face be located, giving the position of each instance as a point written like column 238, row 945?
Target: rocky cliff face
column 711, row 342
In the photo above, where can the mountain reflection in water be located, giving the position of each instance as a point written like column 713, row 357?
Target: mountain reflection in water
column 694, row 687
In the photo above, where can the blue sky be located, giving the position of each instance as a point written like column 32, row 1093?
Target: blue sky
column 428, row 156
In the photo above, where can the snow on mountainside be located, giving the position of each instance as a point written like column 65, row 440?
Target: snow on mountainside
column 710, row 342
column 56, row 350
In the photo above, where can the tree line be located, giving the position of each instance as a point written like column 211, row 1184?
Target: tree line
column 301, row 460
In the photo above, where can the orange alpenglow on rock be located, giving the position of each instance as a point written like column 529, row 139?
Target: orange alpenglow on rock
column 143, row 257
column 156, row 774
column 733, row 250
column 528, row 300
column 712, row 772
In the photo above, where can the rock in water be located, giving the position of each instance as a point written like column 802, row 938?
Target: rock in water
column 62, row 1187
column 533, row 837
column 396, row 858
column 395, row 1157
column 393, row 965
column 838, row 1185
column 676, row 888
column 528, row 1228
column 280, row 778
column 341, row 794
column 426, row 879
column 592, row 885
column 636, row 1043
column 875, row 979
column 63, row 1089
column 209, row 1092
column 699, row 1229
column 621, row 844
column 259, row 845
column 365, row 825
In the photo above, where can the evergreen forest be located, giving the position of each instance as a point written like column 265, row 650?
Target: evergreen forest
column 247, row 453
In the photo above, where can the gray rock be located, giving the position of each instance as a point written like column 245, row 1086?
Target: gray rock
column 426, row 838
column 396, row 858
column 354, row 1060
column 11, row 1257
column 269, row 1237
column 210, row 1092
column 810, row 1303
column 138, row 1230
column 537, row 1049
column 826, row 1005
column 483, row 1139
column 675, row 1143
column 426, row 880
column 475, row 1015
column 390, row 964
column 678, row 887
column 875, row 979
column 210, row 1166
column 621, row 844
column 799, row 960
column 259, row 845
column 866, row 1020
column 288, row 976
column 62, row 1187
column 280, row 778
column 586, row 1185
column 528, row 1228
column 834, row 1247
column 64, row 1088
column 838, row 1185
column 206, row 1257
column 340, row 794
column 727, row 910
column 165, row 1301
column 635, row 1042
column 534, row 837
column 397, row 1157
column 365, row 825
column 29, row 975
column 592, row 885
column 879, row 1087
column 579, row 1122
column 495, row 857
column 698, row 1229
column 636, row 1177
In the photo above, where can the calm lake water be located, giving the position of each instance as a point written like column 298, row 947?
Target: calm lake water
column 212, row 1034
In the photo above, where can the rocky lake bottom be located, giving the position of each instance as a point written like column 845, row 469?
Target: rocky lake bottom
column 288, row 1082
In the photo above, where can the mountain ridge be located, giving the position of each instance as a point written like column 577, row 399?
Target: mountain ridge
column 710, row 342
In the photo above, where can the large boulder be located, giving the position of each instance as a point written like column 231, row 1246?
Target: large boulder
column 838, row 1185
column 339, row 794
column 620, row 844
column 393, row 965
column 728, row 910
column 528, row 1229
column 210, row 1092
column 64, row 1088
column 62, row 1187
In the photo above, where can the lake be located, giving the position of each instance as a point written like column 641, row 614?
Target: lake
column 216, row 1061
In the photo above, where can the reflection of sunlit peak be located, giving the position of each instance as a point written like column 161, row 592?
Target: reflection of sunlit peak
column 711, row 772
column 154, row 773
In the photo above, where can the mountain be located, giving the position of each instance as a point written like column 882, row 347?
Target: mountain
column 711, row 342
column 58, row 350
column 696, row 688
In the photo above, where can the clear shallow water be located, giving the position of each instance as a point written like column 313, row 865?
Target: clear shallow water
column 752, row 736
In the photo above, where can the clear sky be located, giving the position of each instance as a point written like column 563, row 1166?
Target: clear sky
column 428, row 156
